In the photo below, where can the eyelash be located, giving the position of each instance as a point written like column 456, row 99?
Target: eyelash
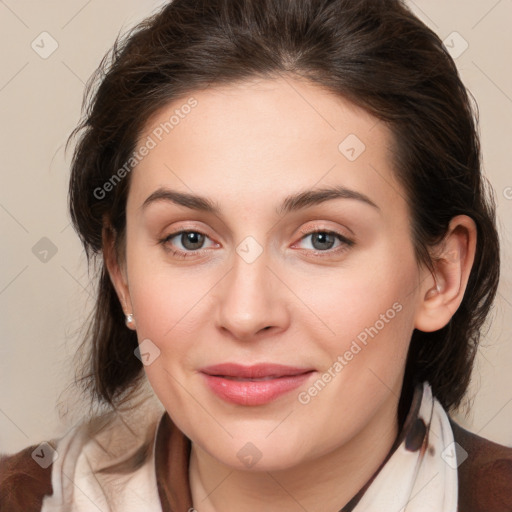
column 177, row 252
column 346, row 243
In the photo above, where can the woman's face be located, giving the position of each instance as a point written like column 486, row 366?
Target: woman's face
column 298, row 254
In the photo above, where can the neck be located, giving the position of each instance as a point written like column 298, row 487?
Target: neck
column 323, row 484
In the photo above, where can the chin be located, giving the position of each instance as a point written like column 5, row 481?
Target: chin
column 251, row 458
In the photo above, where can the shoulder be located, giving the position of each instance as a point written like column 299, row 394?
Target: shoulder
column 485, row 476
column 103, row 451
column 23, row 482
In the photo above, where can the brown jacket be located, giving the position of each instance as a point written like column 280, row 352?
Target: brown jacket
column 485, row 478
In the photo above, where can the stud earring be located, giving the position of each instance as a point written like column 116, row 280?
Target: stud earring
column 129, row 320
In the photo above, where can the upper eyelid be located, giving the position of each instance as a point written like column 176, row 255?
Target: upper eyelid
column 341, row 237
column 181, row 231
column 337, row 232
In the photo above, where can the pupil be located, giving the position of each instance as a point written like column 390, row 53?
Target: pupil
column 192, row 240
column 325, row 240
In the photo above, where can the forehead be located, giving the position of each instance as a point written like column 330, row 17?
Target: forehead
column 261, row 139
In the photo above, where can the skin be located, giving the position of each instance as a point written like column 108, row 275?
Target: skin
column 248, row 146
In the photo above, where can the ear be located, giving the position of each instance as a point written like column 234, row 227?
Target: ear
column 117, row 272
column 441, row 293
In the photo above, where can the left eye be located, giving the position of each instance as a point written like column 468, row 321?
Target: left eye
column 189, row 240
column 325, row 240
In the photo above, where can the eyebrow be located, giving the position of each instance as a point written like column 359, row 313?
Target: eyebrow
column 192, row 201
column 317, row 196
column 295, row 202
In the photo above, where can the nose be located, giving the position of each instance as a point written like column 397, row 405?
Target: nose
column 251, row 300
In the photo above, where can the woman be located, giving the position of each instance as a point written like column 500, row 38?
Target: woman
column 298, row 251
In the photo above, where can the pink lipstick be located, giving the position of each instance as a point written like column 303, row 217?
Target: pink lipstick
column 253, row 385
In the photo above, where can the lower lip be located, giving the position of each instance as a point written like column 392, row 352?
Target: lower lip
column 255, row 392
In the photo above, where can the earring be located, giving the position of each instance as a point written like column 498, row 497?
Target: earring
column 129, row 320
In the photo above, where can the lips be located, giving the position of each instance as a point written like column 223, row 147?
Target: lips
column 253, row 385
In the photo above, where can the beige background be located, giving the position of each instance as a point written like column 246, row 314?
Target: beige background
column 42, row 304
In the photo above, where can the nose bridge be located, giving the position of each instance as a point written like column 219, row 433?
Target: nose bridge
column 249, row 282
column 249, row 298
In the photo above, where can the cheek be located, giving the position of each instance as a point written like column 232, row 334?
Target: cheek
column 168, row 310
column 365, row 358
column 350, row 300
column 370, row 316
column 169, row 302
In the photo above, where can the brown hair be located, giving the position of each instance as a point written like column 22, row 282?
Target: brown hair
column 375, row 53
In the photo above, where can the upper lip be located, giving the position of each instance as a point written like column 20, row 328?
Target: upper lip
column 254, row 371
